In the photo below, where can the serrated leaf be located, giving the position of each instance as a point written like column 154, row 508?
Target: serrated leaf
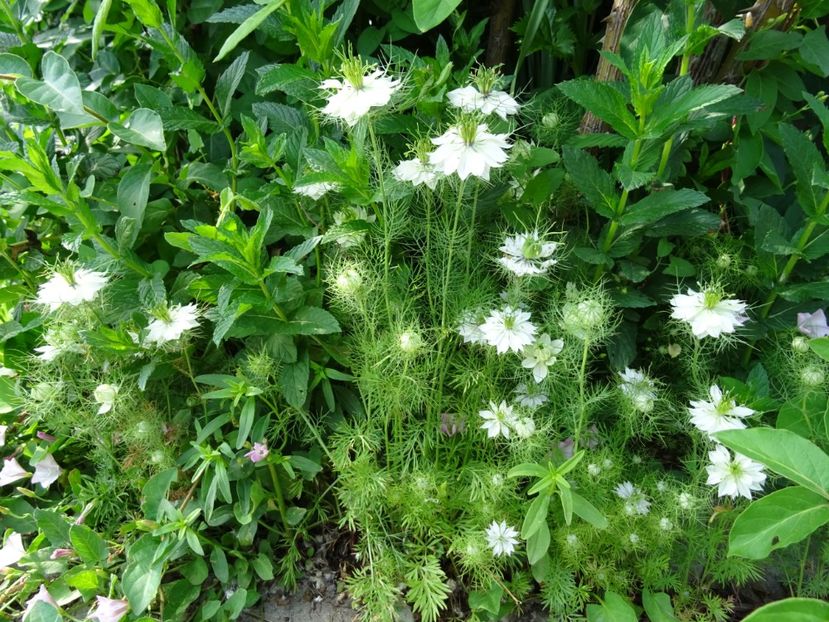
column 246, row 27
column 660, row 204
column 815, row 50
column 290, row 79
column 604, row 101
column 592, row 181
column 229, row 81
column 314, row 321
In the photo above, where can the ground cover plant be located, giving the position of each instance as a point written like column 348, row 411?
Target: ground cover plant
column 527, row 305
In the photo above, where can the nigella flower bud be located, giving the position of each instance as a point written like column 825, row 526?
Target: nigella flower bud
column 800, row 344
column 812, row 376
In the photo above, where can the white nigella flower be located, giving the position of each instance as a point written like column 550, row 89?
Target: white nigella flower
column 524, row 427
column 47, row 471
column 72, row 289
column 501, row 538
column 635, row 500
column 529, row 397
column 638, row 388
column 171, row 323
column 528, row 254
column 721, row 413
column 498, row 420
column 540, row 355
column 105, row 395
column 684, row 500
column 469, row 327
column 357, row 93
column 347, row 239
column 12, row 472
column 594, row 469
column 417, row 171
column 315, row 190
column 470, row 99
column 508, row 329
column 12, row 551
column 736, row 477
column 48, row 353
column 469, row 149
column 708, row 313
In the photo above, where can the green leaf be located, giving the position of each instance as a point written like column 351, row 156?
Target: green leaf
column 820, row 347
column 147, row 12
column 430, row 13
column 133, row 192
column 536, row 516
column 13, row 65
column 229, row 81
column 89, row 546
column 290, row 79
column 59, row 90
column 791, row 610
column 53, row 526
column 43, row 612
column 614, row 608
column 661, row 203
column 246, row 421
column 218, row 561
column 247, row 27
column 658, row 607
column 487, row 601
column 140, row 583
column 604, row 101
column 785, row 453
column 592, row 181
column 767, row 44
column 263, row 567
column 775, row 521
column 143, row 128
column 99, row 24
column 155, row 490
column 538, row 543
column 566, row 496
column 314, row 321
column 588, row 512
column 293, row 381
column 815, row 50
column 528, row 469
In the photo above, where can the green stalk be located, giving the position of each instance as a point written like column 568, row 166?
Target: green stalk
column 582, row 402
column 280, row 499
column 690, row 18
column 378, row 164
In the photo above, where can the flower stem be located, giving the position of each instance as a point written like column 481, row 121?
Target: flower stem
column 280, row 499
column 582, row 402
column 378, row 165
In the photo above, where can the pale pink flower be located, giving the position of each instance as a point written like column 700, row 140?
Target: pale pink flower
column 258, row 453
column 813, row 324
column 42, row 596
column 109, row 609
column 47, row 471
column 11, row 472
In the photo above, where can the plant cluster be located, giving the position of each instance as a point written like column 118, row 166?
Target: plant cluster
column 259, row 286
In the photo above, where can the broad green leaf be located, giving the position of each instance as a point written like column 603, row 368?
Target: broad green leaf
column 133, row 192
column 592, row 181
column 143, row 128
column 775, row 521
column 430, row 13
column 767, row 44
column 604, row 101
column 290, row 79
column 536, row 516
column 566, row 496
column 820, row 347
column 791, row 610
column 246, row 421
column 155, row 490
column 588, row 512
column 218, row 562
column 53, row 526
column 659, row 204
column 59, row 90
column 527, row 469
column 538, row 543
column 263, row 567
column 247, row 27
column 147, row 12
column 89, row 546
column 785, row 453
column 658, row 607
column 614, row 608
column 13, row 65
column 815, row 50
column 140, row 584
column 43, row 612
column 314, row 321
column 229, row 81
column 293, row 381
column 487, row 601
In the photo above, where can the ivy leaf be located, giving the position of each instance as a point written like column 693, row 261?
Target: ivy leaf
column 142, row 128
